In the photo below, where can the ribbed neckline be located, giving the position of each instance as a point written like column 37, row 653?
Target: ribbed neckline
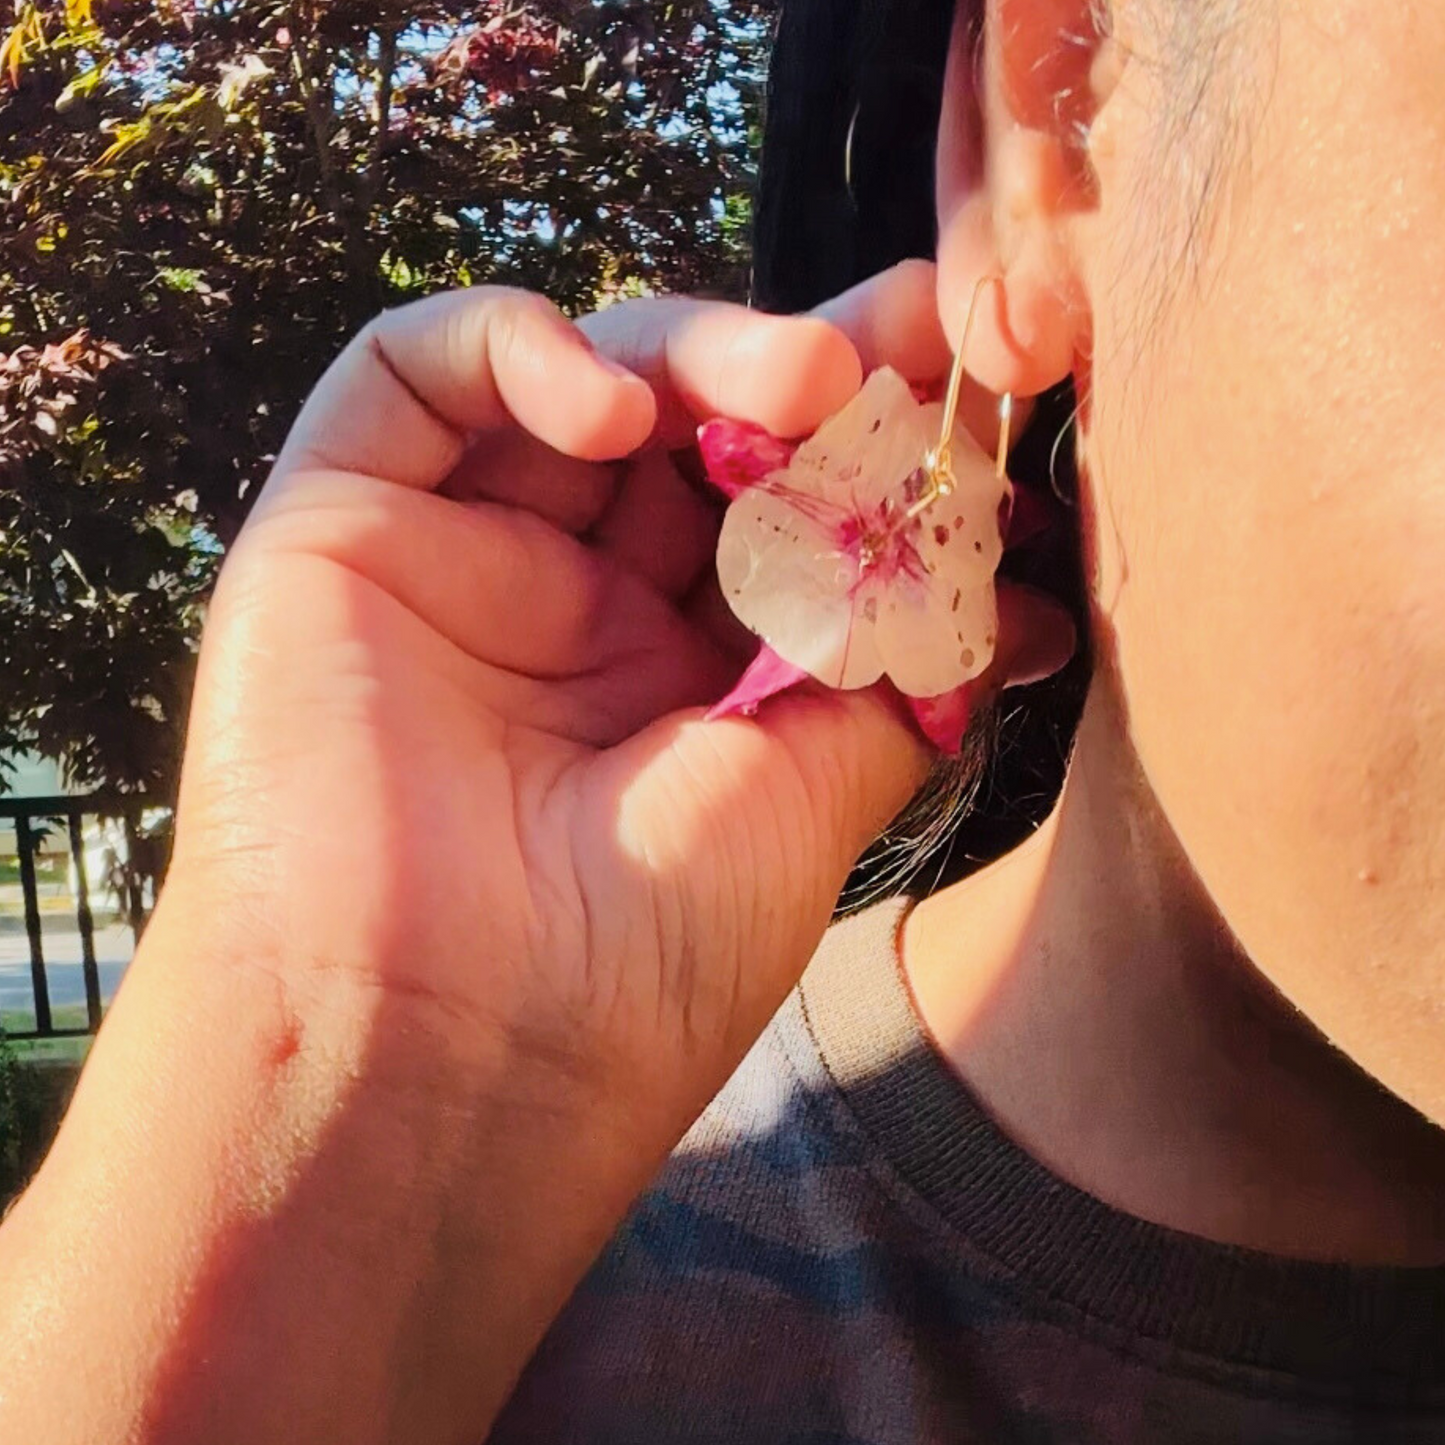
column 1366, row 1333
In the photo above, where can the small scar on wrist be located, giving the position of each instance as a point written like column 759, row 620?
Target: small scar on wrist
column 285, row 1043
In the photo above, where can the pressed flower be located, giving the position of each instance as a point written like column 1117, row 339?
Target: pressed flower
column 833, row 553
column 739, row 455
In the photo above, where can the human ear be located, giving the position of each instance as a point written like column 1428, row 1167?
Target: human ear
column 1013, row 174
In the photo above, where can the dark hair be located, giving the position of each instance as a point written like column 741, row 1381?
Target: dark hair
column 847, row 190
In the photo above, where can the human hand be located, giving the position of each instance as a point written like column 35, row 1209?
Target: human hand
column 446, row 733
column 470, row 910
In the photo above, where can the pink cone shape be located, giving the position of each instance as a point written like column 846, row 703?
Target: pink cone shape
column 768, row 676
column 944, row 720
column 737, row 455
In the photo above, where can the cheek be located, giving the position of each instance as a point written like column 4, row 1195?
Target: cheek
column 1269, row 530
column 1284, row 661
column 1281, row 654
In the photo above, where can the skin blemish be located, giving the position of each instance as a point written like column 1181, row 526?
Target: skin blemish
column 285, row 1044
column 957, row 597
column 941, row 535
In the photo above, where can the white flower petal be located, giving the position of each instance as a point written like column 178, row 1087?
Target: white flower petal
column 783, row 576
column 867, row 451
column 939, row 631
column 932, row 640
column 959, row 538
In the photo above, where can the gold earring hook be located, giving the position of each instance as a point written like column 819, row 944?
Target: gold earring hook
column 938, row 463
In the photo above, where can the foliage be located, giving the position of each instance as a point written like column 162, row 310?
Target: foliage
column 21, row 1119
column 201, row 199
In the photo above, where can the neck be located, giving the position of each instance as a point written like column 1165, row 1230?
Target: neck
column 1107, row 1019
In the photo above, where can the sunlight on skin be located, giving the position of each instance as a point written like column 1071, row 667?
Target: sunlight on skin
column 648, row 886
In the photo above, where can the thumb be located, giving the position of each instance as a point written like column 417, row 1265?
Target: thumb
column 857, row 761
column 749, row 828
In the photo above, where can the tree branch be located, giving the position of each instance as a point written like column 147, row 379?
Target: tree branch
column 316, row 113
column 385, row 83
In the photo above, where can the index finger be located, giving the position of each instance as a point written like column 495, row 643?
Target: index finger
column 406, row 397
column 703, row 359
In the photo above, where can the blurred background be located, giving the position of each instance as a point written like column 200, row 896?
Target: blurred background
column 200, row 201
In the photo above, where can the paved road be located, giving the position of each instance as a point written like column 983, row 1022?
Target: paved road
column 61, row 943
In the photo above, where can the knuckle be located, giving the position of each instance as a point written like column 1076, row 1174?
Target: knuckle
column 370, row 333
column 371, row 339
column 508, row 304
column 916, row 271
column 630, row 331
column 626, row 312
column 513, row 306
column 512, row 318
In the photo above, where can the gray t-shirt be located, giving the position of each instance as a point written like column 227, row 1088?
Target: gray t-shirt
column 845, row 1250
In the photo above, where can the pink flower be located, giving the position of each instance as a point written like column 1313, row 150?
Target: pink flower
column 829, row 554
column 738, row 455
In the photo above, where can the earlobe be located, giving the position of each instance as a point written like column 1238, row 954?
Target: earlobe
column 1013, row 172
column 1027, row 328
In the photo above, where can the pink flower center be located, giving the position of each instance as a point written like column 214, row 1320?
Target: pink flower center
column 881, row 545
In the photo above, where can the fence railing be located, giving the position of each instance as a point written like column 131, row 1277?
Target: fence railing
column 30, row 818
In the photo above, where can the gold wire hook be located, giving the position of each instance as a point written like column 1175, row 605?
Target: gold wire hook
column 938, row 463
column 1005, row 426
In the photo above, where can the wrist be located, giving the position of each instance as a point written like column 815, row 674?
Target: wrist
column 338, row 1192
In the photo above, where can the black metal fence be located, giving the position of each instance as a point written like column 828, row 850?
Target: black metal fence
column 33, row 819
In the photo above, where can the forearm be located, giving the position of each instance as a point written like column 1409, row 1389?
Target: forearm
column 302, row 1215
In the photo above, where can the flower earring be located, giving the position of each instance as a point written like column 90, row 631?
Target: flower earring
column 868, row 551
column 938, row 463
